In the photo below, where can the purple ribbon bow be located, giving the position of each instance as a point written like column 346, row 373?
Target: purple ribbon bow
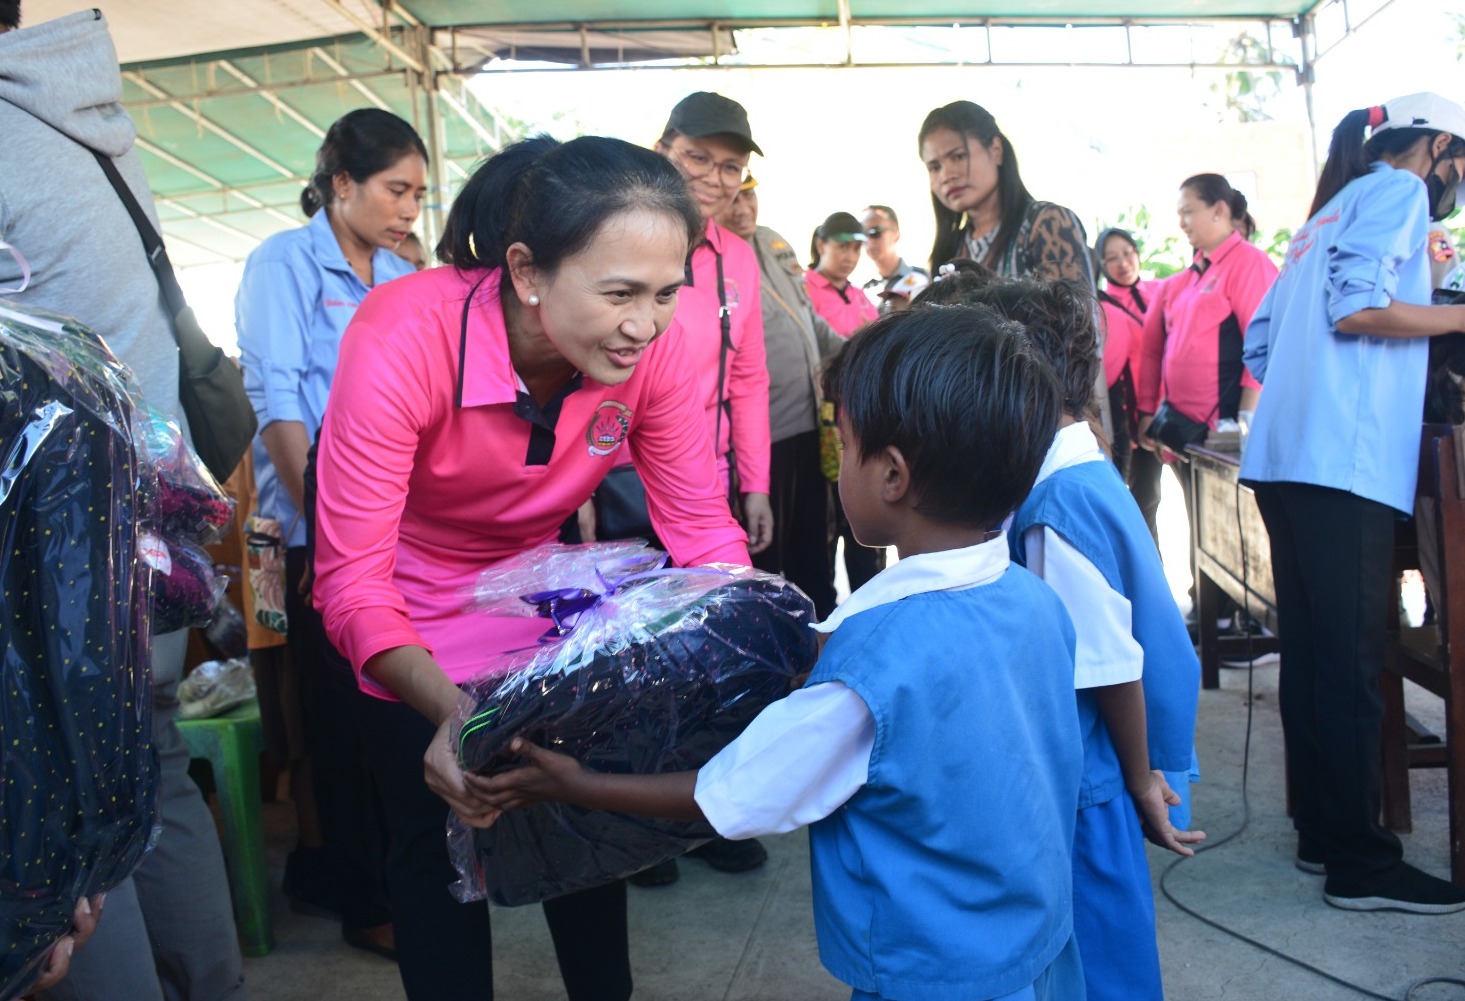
column 565, row 605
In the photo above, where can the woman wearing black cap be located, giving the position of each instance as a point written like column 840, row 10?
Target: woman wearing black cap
column 833, row 254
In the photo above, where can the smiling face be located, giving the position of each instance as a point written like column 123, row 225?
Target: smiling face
column 1205, row 226
column 380, row 211
column 602, row 306
column 741, row 216
column 713, row 167
column 1120, row 260
column 962, row 170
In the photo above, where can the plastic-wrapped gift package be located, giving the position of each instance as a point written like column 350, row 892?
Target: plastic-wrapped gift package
column 642, row 670
column 78, row 773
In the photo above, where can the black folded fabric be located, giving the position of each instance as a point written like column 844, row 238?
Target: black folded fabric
column 78, row 773
column 675, row 683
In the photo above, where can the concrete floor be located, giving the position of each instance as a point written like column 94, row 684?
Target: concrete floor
column 750, row 937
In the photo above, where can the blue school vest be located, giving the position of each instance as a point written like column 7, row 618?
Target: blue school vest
column 1091, row 508
column 948, row 876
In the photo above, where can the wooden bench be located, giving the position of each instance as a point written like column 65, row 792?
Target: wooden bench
column 1433, row 657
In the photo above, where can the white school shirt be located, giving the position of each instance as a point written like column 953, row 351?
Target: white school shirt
column 804, row 756
column 1106, row 652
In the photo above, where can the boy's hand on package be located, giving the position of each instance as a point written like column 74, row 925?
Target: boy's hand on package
column 1153, row 804
column 544, row 775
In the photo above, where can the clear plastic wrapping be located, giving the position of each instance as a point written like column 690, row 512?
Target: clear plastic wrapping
column 642, row 670
column 78, row 774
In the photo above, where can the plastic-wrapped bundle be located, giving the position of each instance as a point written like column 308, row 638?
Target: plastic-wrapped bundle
column 78, row 773
column 655, row 671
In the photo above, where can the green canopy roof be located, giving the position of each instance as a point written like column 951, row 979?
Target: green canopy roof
column 231, row 100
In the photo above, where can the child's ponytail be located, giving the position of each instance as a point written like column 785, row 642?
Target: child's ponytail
column 1347, row 160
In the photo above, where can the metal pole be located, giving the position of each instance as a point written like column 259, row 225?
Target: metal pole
column 1307, row 76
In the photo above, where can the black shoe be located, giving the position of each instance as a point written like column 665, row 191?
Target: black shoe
column 1309, row 858
column 307, row 883
column 1404, row 888
column 732, row 856
column 357, row 938
column 661, row 874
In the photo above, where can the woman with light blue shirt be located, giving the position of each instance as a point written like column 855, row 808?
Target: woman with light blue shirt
column 299, row 291
column 1339, row 346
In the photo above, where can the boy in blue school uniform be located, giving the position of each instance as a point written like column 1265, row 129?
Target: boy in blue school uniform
column 935, row 750
column 1137, row 676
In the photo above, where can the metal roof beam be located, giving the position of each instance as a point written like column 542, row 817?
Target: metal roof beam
column 334, row 65
column 213, row 182
column 273, row 100
column 377, row 35
column 207, row 123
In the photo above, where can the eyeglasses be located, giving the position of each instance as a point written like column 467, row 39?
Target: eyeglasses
column 697, row 165
column 876, row 232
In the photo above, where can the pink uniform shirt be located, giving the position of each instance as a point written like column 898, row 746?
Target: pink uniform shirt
column 1193, row 335
column 426, row 476
column 1124, row 327
column 846, row 310
column 745, row 385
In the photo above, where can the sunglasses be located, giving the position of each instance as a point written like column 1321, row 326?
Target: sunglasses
column 875, row 232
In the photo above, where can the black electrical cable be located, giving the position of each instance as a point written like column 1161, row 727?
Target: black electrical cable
column 1246, row 815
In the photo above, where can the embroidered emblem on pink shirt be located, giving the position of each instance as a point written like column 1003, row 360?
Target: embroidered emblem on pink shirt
column 608, row 428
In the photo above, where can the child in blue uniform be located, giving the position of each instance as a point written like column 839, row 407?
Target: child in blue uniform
column 935, row 749
column 1339, row 344
column 1137, row 675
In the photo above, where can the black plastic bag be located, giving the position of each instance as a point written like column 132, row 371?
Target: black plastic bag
column 659, row 673
column 78, row 772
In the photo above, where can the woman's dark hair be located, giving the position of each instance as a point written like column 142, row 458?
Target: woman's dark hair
column 9, row 14
column 360, row 143
column 963, row 395
column 975, row 122
column 1058, row 316
column 553, row 197
column 1349, row 157
column 1213, row 188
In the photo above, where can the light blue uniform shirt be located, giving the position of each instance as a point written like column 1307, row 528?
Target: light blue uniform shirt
column 1344, row 410
column 294, row 302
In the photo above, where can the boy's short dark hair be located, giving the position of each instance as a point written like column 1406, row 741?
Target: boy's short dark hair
column 963, row 395
column 1059, row 317
column 9, row 14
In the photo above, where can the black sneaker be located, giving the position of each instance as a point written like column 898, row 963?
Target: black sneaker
column 1309, row 858
column 732, row 856
column 1404, row 889
column 661, row 874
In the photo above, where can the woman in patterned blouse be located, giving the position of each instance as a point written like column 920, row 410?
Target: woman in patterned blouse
column 984, row 211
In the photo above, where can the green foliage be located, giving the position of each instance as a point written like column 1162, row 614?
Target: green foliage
column 1245, row 95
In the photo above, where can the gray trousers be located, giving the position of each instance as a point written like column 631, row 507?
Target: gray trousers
column 167, row 932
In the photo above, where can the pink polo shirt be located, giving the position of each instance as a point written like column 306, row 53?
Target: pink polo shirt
column 745, row 386
column 846, row 310
column 431, row 470
column 1193, row 335
column 1124, row 327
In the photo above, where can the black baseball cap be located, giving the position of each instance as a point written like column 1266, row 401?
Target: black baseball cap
column 841, row 227
column 707, row 114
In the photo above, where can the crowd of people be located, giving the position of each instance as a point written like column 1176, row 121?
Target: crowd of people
column 999, row 720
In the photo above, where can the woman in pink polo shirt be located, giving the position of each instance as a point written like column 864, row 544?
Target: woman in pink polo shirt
column 834, row 253
column 475, row 407
column 1193, row 331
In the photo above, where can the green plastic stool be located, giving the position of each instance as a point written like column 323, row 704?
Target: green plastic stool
column 231, row 745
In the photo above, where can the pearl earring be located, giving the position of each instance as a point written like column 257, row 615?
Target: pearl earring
column 533, row 299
